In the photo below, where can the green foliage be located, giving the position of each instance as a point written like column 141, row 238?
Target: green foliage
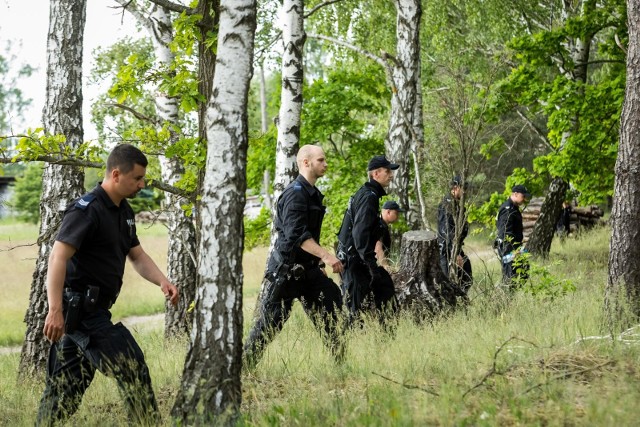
column 257, row 231
column 12, row 101
column 26, row 194
column 579, row 105
column 541, row 282
column 146, row 200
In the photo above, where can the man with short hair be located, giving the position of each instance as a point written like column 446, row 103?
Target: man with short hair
column 84, row 277
column 451, row 238
column 390, row 213
column 359, row 232
column 510, row 237
column 295, row 268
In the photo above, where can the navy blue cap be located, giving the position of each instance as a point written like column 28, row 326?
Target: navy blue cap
column 521, row 189
column 381, row 162
column 392, row 205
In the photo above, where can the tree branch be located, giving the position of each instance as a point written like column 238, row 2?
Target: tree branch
column 353, row 47
column 539, row 132
column 174, row 7
column 135, row 113
column 409, row 386
column 320, row 6
column 53, row 160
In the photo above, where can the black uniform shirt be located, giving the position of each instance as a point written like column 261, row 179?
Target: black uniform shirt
column 385, row 237
column 102, row 234
column 365, row 211
column 299, row 218
column 509, row 225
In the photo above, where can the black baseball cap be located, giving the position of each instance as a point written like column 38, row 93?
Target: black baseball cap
column 381, row 162
column 521, row 189
column 392, row 205
column 457, row 182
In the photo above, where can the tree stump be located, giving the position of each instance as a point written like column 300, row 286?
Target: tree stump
column 420, row 284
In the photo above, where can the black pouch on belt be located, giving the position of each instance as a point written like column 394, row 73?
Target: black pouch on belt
column 72, row 305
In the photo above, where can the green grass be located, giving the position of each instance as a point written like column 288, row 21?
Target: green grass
column 502, row 361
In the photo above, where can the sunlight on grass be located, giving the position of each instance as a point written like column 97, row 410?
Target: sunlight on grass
column 503, row 360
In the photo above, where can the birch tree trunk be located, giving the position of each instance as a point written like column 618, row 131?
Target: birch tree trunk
column 62, row 114
column 210, row 392
column 406, row 129
column 181, row 249
column 288, row 122
column 623, row 284
column 288, row 141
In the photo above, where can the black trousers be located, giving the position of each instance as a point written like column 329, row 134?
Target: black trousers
column 359, row 288
column 322, row 302
column 98, row 344
column 464, row 274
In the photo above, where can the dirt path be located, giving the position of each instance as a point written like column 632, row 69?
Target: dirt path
column 137, row 323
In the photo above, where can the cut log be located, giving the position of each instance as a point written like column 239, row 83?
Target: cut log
column 420, row 284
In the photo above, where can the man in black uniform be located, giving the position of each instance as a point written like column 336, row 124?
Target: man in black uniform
column 295, row 268
column 450, row 240
column 509, row 237
column 390, row 213
column 359, row 232
column 84, row 278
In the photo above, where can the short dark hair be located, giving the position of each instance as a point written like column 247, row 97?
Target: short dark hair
column 125, row 157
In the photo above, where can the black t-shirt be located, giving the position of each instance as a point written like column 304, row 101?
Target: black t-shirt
column 102, row 234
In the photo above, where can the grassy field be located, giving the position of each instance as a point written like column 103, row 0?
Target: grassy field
column 502, row 361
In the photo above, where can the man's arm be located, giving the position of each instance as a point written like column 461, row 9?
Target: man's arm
column 148, row 269
column 365, row 222
column 382, row 260
column 56, row 272
column 312, row 247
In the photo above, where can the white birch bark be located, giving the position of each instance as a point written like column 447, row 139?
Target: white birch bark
column 288, row 142
column 181, row 248
column 406, row 130
column 62, row 114
column 210, row 393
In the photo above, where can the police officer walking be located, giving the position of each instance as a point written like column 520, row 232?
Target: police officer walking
column 84, row 278
column 451, row 239
column 510, row 236
column 295, row 268
column 359, row 232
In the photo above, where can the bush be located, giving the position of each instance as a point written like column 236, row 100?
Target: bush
column 26, row 195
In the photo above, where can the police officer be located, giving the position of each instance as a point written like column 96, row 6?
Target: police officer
column 390, row 213
column 84, row 278
column 450, row 239
column 295, row 268
column 509, row 237
column 359, row 232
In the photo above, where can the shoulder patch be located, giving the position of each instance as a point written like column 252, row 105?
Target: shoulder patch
column 297, row 186
column 84, row 201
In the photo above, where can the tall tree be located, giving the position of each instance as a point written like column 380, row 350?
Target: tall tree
column 62, row 115
column 181, row 250
column 406, row 128
column 211, row 388
column 623, row 284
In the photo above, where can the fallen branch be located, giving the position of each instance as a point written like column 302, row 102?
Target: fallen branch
column 494, row 369
column 405, row 385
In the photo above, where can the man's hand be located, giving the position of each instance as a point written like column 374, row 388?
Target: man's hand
column 170, row 292
column 333, row 262
column 54, row 325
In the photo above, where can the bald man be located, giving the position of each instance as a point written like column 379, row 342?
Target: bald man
column 296, row 266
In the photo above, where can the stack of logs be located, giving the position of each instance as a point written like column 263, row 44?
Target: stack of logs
column 582, row 217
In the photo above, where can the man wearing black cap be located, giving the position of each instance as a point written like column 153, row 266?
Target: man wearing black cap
column 509, row 237
column 390, row 213
column 359, row 232
column 451, row 238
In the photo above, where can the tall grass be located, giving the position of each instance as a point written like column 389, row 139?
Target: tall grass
column 504, row 360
